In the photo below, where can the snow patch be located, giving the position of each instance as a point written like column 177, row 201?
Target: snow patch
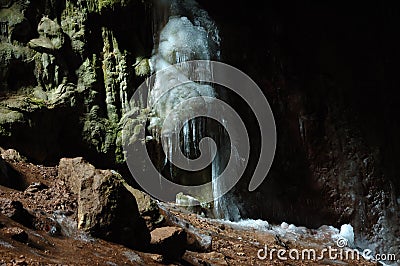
column 284, row 225
column 347, row 232
column 249, row 224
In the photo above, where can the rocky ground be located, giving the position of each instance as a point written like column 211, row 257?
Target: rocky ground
column 47, row 217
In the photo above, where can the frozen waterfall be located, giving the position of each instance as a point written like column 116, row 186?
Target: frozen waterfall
column 184, row 32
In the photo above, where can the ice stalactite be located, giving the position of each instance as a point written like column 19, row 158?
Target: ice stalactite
column 184, row 32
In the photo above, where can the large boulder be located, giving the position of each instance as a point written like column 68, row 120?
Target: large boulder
column 106, row 209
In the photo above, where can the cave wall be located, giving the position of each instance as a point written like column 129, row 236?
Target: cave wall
column 329, row 73
column 67, row 72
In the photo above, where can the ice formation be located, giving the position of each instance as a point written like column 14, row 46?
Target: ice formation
column 347, row 232
column 258, row 224
column 180, row 41
column 185, row 33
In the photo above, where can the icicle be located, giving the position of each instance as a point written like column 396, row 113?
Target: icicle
column 183, row 32
column 186, row 140
column 194, row 133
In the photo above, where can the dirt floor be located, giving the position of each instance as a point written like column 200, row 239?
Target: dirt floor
column 43, row 231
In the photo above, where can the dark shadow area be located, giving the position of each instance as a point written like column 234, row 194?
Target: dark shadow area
column 329, row 73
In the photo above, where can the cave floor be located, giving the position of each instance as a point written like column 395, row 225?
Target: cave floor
column 41, row 244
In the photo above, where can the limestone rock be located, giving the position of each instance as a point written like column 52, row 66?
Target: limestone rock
column 112, row 4
column 43, row 45
column 73, row 23
column 148, row 208
column 72, row 171
column 189, row 203
column 51, row 69
column 12, row 155
column 52, row 37
column 169, row 241
column 16, row 66
column 50, row 29
column 106, row 209
column 19, row 28
column 64, row 95
column 142, row 67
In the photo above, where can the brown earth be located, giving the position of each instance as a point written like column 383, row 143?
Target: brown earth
column 50, row 237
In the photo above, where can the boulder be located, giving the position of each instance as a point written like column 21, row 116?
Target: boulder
column 72, row 171
column 106, row 209
column 146, row 204
column 188, row 202
column 9, row 177
column 196, row 239
column 169, row 241
column 11, row 155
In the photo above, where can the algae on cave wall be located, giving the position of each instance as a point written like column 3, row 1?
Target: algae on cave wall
column 79, row 66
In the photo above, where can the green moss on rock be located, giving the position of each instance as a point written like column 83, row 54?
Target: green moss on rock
column 112, row 4
column 40, row 103
column 7, row 119
column 142, row 67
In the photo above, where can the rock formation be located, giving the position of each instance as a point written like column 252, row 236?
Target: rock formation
column 106, row 209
